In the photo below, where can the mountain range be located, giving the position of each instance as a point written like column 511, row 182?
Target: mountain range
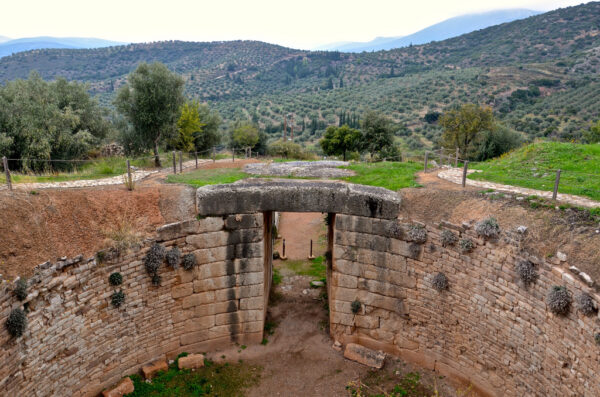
column 539, row 74
column 12, row 46
column 444, row 30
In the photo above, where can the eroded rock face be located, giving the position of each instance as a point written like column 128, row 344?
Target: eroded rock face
column 257, row 195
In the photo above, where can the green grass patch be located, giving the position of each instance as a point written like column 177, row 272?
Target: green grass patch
column 203, row 177
column 534, row 166
column 211, row 380
column 276, row 276
column 390, row 175
column 315, row 268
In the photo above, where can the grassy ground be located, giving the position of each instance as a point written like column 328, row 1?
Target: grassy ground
column 390, row 175
column 213, row 176
column 315, row 268
column 534, row 166
column 211, row 380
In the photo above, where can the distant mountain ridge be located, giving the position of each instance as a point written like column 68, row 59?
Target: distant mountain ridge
column 441, row 31
column 12, row 46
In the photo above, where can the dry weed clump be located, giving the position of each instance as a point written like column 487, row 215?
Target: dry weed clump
column 448, row 238
column 526, row 271
column 124, row 236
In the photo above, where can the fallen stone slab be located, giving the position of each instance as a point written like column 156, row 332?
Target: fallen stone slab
column 191, row 361
column 125, row 386
column 365, row 356
column 151, row 369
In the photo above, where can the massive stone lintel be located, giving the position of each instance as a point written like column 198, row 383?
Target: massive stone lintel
column 285, row 195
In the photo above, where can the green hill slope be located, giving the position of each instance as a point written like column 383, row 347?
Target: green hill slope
column 556, row 51
column 534, row 166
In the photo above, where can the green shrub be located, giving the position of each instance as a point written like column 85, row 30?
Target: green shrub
column 585, row 304
column 496, row 142
column 559, row 300
column 173, row 257
column 21, row 289
column 355, row 306
column 115, row 279
column 526, row 271
column 448, row 238
column 16, row 323
column 189, row 261
column 417, row 233
column 440, row 282
column 488, row 228
column 152, row 261
column 466, row 245
column 117, row 298
column 597, row 338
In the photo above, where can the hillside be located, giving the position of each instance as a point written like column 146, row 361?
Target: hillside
column 13, row 46
column 440, row 31
column 534, row 166
column 558, row 52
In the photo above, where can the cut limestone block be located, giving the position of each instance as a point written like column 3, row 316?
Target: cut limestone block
column 151, row 369
column 365, row 356
column 125, row 386
column 191, row 361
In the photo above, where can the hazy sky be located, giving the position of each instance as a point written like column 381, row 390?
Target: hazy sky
column 298, row 24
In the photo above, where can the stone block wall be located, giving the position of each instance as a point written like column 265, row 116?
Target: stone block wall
column 76, row 343
column 488, row 329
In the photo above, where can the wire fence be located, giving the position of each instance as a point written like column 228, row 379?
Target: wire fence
column 56, row 170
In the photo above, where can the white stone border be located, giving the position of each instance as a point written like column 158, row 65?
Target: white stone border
column 454, row 175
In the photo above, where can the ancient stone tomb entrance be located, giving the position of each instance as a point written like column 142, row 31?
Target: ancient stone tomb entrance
column 260, row 201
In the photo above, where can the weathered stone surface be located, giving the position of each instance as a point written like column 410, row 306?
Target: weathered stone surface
column 365, row 356
column 191, row 361
column 125, row 386
column 254, row 195
column 175, row 230
column 153, row 368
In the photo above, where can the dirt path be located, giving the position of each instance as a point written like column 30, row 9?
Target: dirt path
column 298, row 228
column 454, row 175
column 299, row 359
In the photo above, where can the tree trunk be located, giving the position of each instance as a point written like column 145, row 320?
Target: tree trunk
column 156, row 156
column 344, row 154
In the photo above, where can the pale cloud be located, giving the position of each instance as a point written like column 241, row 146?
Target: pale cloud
column 299, row 24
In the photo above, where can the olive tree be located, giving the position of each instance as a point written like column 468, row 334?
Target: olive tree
column 151, row 101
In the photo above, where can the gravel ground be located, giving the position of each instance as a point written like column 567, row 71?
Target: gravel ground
column 313, row 169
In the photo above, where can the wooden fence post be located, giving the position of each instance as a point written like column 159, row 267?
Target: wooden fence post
column 464, row 175
column 456, row 159
column 556, row 182
column 7, row 172
column 213, row 154
column 129, row 178
column 233, row 155
column 180, row 162
column 196, row 157
column 426, row 158
column 174, row 163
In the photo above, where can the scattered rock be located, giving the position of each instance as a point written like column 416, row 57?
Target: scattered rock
column 305, row 292
column 337, row 346
column 125, row 386
column 522, row 229
column 151, row 369
column 365, row 356
column 317, row 284
column 561, row 256
column 192, row 361
column 586, row 278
